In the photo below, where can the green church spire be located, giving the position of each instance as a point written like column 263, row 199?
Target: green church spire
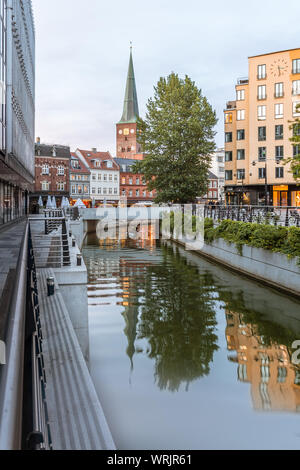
column 131, row 107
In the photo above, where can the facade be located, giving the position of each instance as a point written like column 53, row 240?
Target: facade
column 128, row 149
column 257, row 132
column 218, row 169
column 17, row 107
column 132, row 186
column 104, row 176
column 52, row 173
column 213, row 189
column 79, row 181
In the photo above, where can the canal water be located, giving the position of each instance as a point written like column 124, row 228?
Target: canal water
column 187, row 355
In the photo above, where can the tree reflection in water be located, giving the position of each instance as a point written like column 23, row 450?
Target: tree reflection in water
column 177, row 318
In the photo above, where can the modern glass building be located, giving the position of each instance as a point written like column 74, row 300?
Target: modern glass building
column 17, row 112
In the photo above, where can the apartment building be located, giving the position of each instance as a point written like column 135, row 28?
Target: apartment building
column 79, row 181
column 17, row 108
column 52, row 173
column 218, row 169
column 104, row 176
column 257, row 132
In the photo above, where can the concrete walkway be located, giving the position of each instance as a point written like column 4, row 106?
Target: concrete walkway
column 10, row 244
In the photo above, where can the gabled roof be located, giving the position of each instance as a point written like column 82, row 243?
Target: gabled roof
column 81, row 168
column 91, row 157
column 212, row 176
column 131, row 107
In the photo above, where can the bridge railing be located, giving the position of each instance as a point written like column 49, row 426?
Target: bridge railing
column 273, row 215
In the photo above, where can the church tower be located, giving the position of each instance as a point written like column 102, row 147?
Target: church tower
column 127, row 145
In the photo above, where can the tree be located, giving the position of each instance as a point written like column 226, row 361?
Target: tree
column 295, row 139
column 177, row 137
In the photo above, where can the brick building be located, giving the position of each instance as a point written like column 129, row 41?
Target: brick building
column 132, row 186
column 128, row 149
column 213, row 189
column 52, row 173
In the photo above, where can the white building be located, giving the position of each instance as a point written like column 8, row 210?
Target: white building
column 218, row 169
column 104, row 176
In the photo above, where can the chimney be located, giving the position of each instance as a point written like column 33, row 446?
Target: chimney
column 38, row 140
column 94, row 150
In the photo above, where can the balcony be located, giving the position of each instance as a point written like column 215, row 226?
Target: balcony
column 231, row 105
column 243, row 81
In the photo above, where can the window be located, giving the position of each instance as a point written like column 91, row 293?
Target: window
column 240, row 116
column 279, row 152
column 61, row 171
column 109, row 164
column 240, row 95
column 145, row 193
column 240, row 154
column 45, row 186
column 228, row 118
column 137, row 193
column 261, row 72
column 279, row 132
column 240, row 134
column 45, row 170
column 262, row 133
column 99, row 176
column 261, row 92
column 261, row 173
column 104, row 191
column 110, row 191
column 296, row 66
column 210, row 194
column 97, row 163
column 228, row 175
column 261, row 113
column 262, row 154
column 296, row 150
column 124, row 192
column 278, row 111
column 279, row 172
column 228, row 156
column 93, row 177
column 296, row 108
column 228, row 137
column 93, row 190
column 110, row 177
column 278, row 90
column 137, row 181
column 116, row 177
column 79, row 189
column 281, row 374
column 241, row 174
column 130, row 193
column 60, row 186
column 73, row 189
column 123, row 180
column 130, row 181
column 99, row 190
column 115, row 191
column 105, row 177
column 296, row 130
column 296, row 87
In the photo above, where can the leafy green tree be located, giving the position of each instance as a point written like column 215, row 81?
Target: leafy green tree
column 177, row 137
column 295, row 139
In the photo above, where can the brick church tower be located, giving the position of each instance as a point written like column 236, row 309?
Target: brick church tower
column 127, row 145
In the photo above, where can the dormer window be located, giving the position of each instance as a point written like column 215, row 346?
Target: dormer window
column 54, row 151
column 109, row 164
column 97, row 163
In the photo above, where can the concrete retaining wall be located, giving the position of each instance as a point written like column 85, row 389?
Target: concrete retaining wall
column 274, row 269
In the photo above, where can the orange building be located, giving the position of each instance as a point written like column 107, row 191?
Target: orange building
column 257, row 132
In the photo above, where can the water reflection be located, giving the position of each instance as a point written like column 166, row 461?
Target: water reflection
column 165, row 322
column 265, row 363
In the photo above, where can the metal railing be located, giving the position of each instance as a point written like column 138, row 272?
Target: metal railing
column 23, row 411
column 273, row 215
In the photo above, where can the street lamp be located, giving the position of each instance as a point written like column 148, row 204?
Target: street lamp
column 277, row 160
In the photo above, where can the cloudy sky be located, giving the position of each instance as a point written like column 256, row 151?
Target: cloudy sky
column 83, row 51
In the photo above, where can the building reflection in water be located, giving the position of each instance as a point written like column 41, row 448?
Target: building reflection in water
column 275, row 381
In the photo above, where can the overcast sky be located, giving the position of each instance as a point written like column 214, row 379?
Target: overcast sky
column 83, row 52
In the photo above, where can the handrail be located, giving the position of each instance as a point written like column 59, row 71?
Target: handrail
column 11, row 386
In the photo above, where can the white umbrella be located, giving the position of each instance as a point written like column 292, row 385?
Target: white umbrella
column 40, row 203
column 80, row 204
column 54, row 206
column 49, row 203
column 63, row 202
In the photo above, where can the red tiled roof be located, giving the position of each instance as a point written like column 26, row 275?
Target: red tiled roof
column 89, row 156
column 82, row 168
